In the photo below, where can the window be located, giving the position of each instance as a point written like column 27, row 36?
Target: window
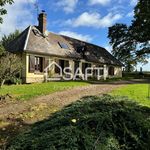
column 35, row 64
column 62, row 64
column 63, row 45
column 111, row 71
column 84, row 66
column 101, row 72
column 38, row 64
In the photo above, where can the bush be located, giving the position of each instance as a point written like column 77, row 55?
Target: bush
column 16, row 81
column 101, row 123
column 136, row 75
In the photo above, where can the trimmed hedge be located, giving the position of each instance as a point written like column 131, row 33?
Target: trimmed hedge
column 100, row 123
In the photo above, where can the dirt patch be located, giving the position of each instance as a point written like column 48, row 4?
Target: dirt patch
column 5, row 99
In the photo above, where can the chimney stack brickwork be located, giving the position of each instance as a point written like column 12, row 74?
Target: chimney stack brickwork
column 42, row 22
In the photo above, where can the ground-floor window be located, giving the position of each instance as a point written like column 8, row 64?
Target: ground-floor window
column 35, row 64
column 62, row 64
column 100, row 72
column 111, row 71
column 84, row 66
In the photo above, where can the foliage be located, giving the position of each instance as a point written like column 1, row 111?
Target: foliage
column 131, row 43
column 6, row 39
column 28, row 91
column 123, row 45
column 137, row 92
column 140, row 26
column 3, row 11
column 100, row 123
column 10, row 64
column 2, row 49
column 141, row 21
column 135, row 75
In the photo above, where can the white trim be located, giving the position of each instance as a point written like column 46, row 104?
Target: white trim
column 26, row 41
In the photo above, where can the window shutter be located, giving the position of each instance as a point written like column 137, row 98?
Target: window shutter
column 111, row 71
column 31, row 64
column 41, row 64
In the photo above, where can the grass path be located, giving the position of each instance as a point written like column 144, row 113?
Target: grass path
column 28, row 91
column 58, row 99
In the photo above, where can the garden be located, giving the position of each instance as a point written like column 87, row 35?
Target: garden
column 119, row 120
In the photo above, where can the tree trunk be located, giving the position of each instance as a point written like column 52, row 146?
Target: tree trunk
column 2, row 83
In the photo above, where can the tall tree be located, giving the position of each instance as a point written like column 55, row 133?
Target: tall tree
column 123, row 45
column 131, row 44
column 3, row 11
column 141, row 26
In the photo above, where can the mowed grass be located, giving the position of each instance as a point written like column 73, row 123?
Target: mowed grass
column 136, row 92
column 28, row 91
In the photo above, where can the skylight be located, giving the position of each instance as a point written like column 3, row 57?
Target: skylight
column 63, row 45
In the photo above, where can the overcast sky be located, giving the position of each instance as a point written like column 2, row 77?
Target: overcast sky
column 83, row 19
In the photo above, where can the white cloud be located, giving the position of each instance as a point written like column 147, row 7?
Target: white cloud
column 94, row 20
column 75, row 35
column 67, row 5
column 19, row 17
column 130, row 14
column 133, row 2
column 117, row 9
column 100, row 2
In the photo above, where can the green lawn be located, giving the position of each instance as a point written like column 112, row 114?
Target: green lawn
column 137, row 92
column 28, row 91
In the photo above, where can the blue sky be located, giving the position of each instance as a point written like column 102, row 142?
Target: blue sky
column 83, row 19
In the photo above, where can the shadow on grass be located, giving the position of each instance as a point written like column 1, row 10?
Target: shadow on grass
column 10, row 128
column 100, row 123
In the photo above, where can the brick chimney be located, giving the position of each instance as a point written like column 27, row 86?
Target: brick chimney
column 42, row 21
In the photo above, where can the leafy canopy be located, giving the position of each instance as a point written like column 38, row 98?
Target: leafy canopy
column 3, row 11
column 131, row 44
column 6, row 39
column 141, row 22
column 141, row 26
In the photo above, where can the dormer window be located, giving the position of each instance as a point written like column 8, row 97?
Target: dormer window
column 63, row 45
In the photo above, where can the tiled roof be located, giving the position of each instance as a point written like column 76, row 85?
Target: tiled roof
column 31, row 40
